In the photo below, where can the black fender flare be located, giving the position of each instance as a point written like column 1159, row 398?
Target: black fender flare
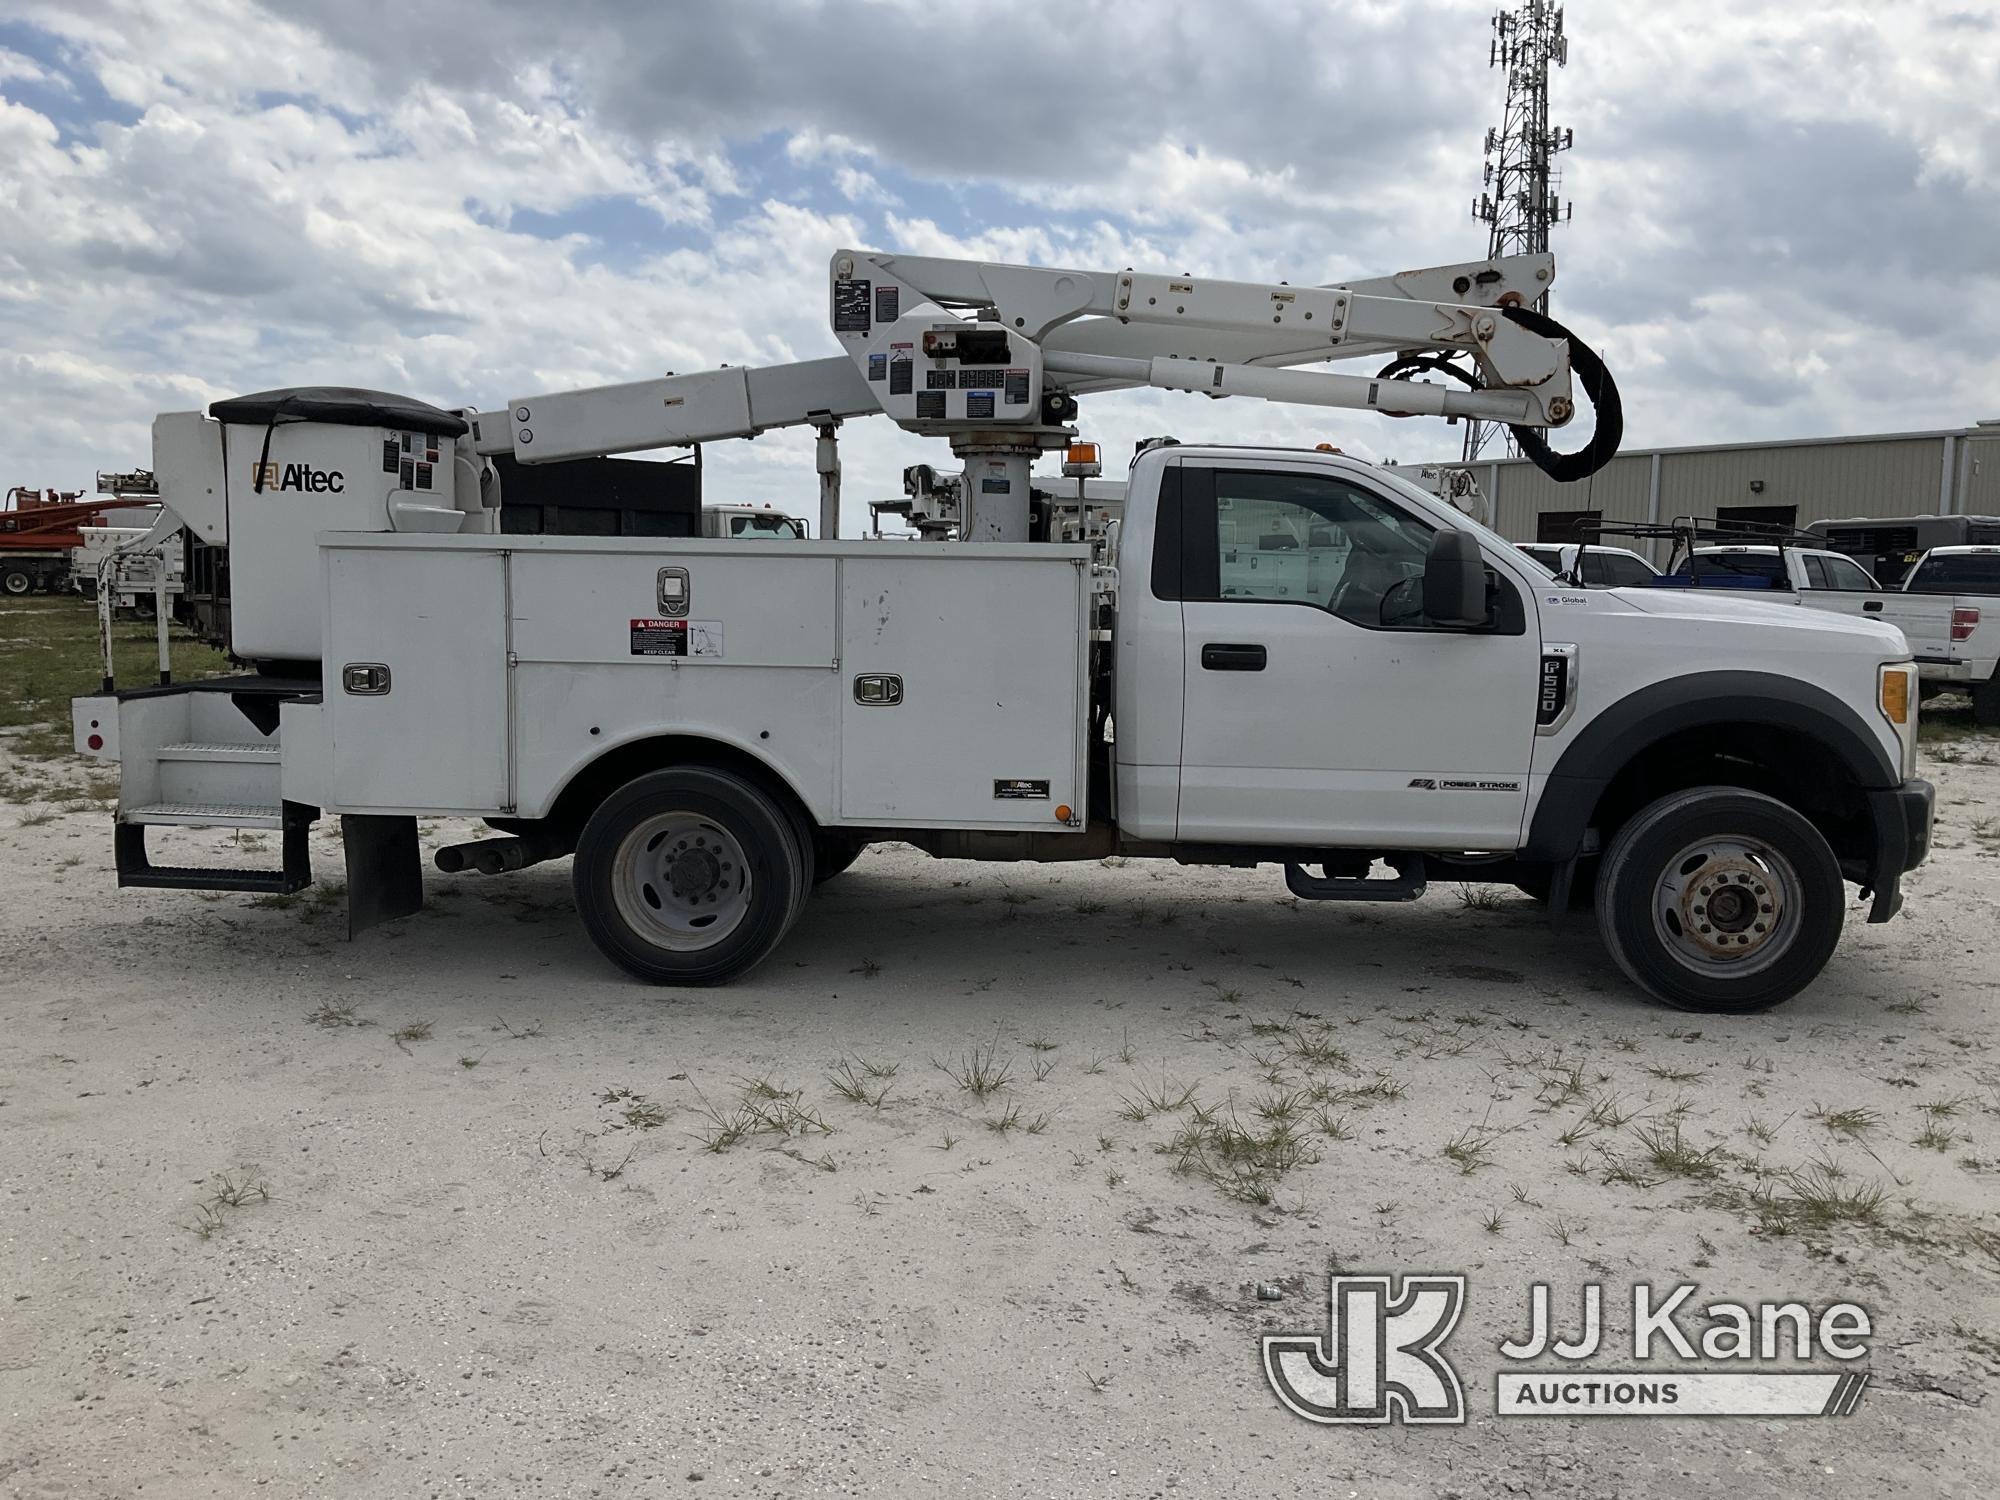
column 1643, row 718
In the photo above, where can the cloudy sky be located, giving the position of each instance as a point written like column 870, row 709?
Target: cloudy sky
column 1787, row 217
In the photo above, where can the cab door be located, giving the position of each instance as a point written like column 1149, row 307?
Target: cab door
column 1321, row 706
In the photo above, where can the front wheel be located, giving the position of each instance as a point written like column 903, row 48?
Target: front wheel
column 688, row 876
column 1718, row 899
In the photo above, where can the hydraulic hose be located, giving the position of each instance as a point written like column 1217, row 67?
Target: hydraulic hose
column 1597, row 384
column 1590, row 373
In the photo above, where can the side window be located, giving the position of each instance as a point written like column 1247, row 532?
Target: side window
column 1816, row 572
column 1595, row 568
column 1625, row 572
column 1315, row 539
column 1845, row 573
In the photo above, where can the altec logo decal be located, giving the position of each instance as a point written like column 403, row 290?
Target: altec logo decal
column 297, row 477
column 1381, row 1358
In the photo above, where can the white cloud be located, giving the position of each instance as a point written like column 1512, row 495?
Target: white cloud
column 1784, row 217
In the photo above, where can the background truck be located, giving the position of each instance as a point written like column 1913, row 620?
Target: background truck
column 1953, row 649
column 1969, row 577
column 1270, row 657
column 1597, row 567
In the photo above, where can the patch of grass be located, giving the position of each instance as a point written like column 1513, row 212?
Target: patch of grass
column 57, row 659
column 1469, row 1150
column 1814, row 1197
column 1241, row 1163
column 1480, row 898
column 1675, row 1075
column 416, row 1031
column 1671, row 1155
column 857, row 1085
column 1166, row 1098
column 229, row 1191
column 334, row 1014
column 1854, row 1123
column 979, row 1072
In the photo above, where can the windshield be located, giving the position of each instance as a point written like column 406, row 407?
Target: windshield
column 1768, row 566
column 777, row 527
column 1486, row 534
column 1957, row 573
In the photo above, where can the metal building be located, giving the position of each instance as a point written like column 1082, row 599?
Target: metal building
column 1952, row 471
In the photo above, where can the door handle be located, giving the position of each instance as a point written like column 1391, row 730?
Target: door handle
column 1872, row 607
column 1232, row 658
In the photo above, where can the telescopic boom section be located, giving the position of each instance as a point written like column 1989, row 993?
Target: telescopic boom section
column 992, row 357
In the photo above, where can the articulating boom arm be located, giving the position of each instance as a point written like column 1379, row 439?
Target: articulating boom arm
column 993, row 356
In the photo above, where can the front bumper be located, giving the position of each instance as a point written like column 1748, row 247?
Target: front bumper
column 1902, row 818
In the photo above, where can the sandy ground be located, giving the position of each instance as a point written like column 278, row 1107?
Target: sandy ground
column 436, row 1212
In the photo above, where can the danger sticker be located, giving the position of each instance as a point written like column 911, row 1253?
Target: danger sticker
column 691, row 638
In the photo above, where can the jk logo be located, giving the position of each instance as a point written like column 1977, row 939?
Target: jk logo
column 1379, row 1360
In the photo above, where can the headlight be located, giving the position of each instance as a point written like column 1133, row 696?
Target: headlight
column 1896, row 696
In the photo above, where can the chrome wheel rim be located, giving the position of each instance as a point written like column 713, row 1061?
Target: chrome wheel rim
column 1727, row 906
column 681, row 881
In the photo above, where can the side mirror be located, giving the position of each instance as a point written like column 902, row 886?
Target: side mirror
column 1455, row 581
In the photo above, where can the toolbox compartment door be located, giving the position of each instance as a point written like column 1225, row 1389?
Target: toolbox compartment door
column 986, row 653
column 434, row 736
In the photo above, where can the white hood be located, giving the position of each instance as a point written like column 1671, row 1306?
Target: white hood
column 1705, row 604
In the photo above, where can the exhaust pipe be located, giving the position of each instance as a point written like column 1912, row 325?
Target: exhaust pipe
column 497, row 856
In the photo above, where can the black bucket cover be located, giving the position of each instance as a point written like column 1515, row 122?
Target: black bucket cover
column 340, row 405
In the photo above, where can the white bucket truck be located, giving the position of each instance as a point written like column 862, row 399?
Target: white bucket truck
column 1273, row 657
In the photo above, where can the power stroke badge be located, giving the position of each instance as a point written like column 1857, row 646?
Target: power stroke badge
column 1381, row 1358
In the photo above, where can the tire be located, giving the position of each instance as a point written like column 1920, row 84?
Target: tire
column 832, row 854
column 1986, row 701
column 1667, row 875
column 15, row 581
column 660, row 876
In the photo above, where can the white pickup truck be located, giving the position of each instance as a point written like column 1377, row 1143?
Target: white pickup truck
column 1282, row 657
column 1968, row 577
column 1952, row 652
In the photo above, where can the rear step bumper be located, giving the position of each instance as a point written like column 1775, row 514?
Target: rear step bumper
column 294, row 820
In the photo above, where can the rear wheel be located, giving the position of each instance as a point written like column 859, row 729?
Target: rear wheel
column 688, row 876
column 1718, row 899
column 15, row 581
